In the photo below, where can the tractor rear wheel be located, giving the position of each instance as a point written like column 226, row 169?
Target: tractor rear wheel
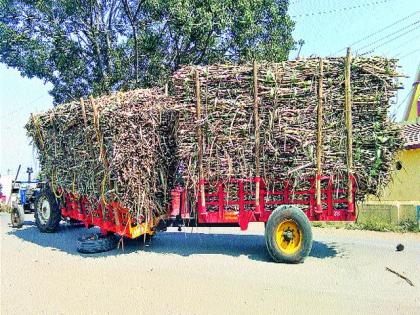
column 47, row 211
column 288, row 235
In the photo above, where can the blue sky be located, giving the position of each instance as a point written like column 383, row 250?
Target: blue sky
column 389, row 27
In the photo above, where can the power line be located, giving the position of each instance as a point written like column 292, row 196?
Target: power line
column 403, row 101
column 378, row 31
column 389, row 41
column 409, row 41
column 410, row 53
column 21, row 107
column 364, row 5
column 388, row 35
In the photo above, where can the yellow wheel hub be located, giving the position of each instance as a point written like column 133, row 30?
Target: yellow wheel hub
column 288, row 237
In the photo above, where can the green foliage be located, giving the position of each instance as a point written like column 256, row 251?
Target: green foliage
column 372, row 224
column 317, row 224
column 408, row 225
column 377, row 224
column 92, row 47
column 5, row 208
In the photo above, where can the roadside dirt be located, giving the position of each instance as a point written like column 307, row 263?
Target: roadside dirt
column 207, row 271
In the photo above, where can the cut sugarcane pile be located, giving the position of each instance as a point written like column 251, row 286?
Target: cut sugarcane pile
column 127, row 147
column 113, row 148
column 287, row 109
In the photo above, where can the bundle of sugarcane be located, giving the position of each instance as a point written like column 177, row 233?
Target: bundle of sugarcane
column 113, row 148
column 283, row 109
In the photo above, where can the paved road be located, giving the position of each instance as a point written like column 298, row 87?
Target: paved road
column 207, row 271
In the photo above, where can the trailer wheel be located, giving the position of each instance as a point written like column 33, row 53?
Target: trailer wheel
column 17, row 216
column 288, row 235
column 96, row 243
column 47, row 212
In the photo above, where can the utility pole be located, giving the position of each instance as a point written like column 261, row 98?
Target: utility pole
column 300, row 43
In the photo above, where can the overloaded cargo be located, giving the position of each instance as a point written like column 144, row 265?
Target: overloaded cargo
column 112, row 148
column 129, row 147
column 288, row 101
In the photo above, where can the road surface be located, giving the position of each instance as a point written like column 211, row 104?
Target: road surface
column 207, row 271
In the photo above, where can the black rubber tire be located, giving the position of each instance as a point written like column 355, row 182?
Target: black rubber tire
column 51, row 224
column 285, row 213
column 17, row 216
column 96, row 243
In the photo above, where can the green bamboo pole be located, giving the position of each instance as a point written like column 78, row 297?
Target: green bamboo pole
column 82, row 104
column 319, row 136
column 199, row 136
column 257, row 134
column 349, row 124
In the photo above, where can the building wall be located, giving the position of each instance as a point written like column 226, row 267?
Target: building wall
column 405, row 185
column 400, row 198
column 413, row 114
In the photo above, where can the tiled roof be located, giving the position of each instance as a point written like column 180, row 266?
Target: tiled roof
column 412, row 136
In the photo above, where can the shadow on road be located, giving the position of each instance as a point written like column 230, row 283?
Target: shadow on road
column 178, row 243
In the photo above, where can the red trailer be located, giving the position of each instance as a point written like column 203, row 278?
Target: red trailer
column 285, row 211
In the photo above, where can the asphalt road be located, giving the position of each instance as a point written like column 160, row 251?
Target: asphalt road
column 207, row 271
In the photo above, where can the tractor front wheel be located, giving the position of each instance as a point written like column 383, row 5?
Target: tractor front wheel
column 47, row 212
column 17, row 216
column 288, row 235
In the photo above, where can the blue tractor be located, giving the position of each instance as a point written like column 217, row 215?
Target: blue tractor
column 23, row 196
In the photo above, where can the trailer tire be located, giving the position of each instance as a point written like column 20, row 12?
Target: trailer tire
column 288, row 235
column 47, row 212
column 96, row 243
column 17, row 216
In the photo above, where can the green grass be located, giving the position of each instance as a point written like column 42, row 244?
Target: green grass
column 5, row 208
column 336, row 225
column 317, row 224
column 409, row 225
column 372, row 224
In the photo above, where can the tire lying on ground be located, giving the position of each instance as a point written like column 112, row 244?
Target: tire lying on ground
column 96, row 243
column 47, row 212
column 288, row 235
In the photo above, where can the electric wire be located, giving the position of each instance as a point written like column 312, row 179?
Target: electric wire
column 373, row 3
column 390, row 34
column 405, row 18
column 396, row 109
column 388, row 41
column 409, row 54
column 22, row 107
column 400, row 45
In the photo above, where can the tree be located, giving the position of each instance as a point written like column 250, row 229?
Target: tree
column 96, row 46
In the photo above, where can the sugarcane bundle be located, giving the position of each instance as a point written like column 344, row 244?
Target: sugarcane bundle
column 283, row 119
column 112, row 148
column 246, row 121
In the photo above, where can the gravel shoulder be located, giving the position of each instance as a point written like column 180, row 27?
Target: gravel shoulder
column 207, row 271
